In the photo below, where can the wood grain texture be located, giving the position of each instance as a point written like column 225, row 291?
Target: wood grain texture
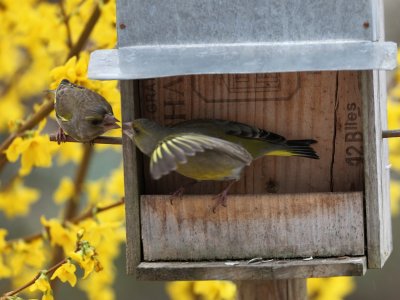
column 132, row 175
column 378, row 219
column 268, row 226
column 294, row 289
column 274, row 270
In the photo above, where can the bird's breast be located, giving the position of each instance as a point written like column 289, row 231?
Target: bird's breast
column 211, row 165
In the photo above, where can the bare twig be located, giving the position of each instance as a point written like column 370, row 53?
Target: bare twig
column 86, row 31
column 96, row 210
column 66, row 22
column 99, row 140
column 72, row 204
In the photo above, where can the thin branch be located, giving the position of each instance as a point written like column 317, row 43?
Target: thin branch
column 66, row 22
column 96, row 210
column 32, row 281
column 99, row 140
column 72, row 204
column 86, row 31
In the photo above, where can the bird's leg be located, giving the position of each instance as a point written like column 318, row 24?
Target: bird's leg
column 60, row 135
column 221, row 197
column 179, row 192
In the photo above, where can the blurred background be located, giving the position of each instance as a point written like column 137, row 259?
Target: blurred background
column 375, row 284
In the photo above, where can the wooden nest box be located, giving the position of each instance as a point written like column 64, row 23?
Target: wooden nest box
column 292, row 67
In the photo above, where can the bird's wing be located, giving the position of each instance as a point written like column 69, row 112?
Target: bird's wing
column 175, row 149
column 252, row 132
column 238, row 129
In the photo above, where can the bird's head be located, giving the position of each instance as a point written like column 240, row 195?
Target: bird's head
column 101, row 120
column 145, row 133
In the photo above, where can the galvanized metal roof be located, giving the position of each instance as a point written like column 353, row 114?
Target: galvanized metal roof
column 159, row 38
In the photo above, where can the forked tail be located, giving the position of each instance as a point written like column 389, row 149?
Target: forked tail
column 300, row 148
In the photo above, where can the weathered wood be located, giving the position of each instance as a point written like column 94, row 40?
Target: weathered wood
column 378, row 220
column 268, row 226
column 132, row 176
column 347, row 149
column 294, row 289
column 241, row 270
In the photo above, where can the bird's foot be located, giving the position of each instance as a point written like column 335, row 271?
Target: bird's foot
column 220, row 200
column 221, row 197
column 177, row 194
column 60, row 136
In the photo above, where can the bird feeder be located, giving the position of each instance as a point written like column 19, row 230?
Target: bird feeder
column 298, row 68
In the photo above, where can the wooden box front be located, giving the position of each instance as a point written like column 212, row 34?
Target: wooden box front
column 283, row 207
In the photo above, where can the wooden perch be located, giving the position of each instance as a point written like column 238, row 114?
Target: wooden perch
column 99, row 140
column 390, row 133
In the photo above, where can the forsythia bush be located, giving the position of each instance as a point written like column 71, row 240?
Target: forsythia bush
column 41, row 43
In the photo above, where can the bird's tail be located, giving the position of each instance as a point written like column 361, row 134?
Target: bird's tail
column 296, row 148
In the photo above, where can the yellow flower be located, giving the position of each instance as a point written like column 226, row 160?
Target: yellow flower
column 86, row 257
column 94, row 189
column 395, row 197
column 4, row 270
column 35, row 150
column 64, row 191
column 66, row 272
column 25, row 254
column 3, row 243
column 216, row 289
column 180, row 290
column 69, row 152
column 59, row 235
column 10, row 107
column 205, row 290
column 16, row 199
column 333, row 288
column 115, row 184
column 42, row 284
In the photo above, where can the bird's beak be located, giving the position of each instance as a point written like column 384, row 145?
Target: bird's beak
column 127, row 129
column 49, row 91
column 109, row 122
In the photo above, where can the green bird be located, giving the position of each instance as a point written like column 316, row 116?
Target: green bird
column 82, row 113
column 208, row 149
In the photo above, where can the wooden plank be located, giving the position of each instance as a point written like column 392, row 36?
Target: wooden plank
column 132, row 175
column 268, row 226
column 378, row 219
column 276, row 270
column 294, row 289
column 347, row 149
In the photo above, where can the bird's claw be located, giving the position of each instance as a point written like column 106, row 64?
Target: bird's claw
column 60, row 136
column 178, row 193
column 220, row 200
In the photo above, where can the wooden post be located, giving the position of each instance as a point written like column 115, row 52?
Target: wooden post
column 293, row 289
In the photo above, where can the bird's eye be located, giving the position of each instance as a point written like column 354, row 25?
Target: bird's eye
column 95, row 122
column 136, row 130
